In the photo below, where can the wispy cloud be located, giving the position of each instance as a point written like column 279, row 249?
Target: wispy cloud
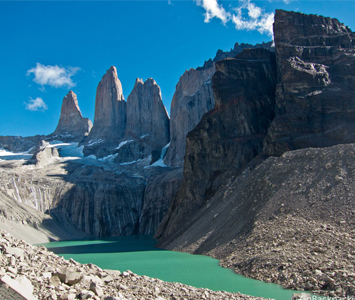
column 36, row 104
column 53, row 75
column 247, row 16
column 213, row 9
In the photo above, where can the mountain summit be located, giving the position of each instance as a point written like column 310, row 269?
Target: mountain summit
column 72, row 124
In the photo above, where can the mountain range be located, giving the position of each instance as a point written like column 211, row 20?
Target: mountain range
column 253, row 167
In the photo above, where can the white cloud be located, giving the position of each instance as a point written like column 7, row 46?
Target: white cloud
column 53, row 75
column 247, row 16
column 257, row 18
column 213, row 9
column 36, row 104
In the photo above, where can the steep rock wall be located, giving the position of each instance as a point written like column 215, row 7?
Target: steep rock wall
column 229, row 136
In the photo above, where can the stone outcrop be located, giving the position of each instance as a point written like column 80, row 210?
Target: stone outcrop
column 71, row 124
column 44, row 156
column 315, row 90
column 158, row 195
column 147, row 123
column 20, row 144
column 110, row 115
column 44, row 275
column 230, row 135
column 192, row 99
column 146, row 113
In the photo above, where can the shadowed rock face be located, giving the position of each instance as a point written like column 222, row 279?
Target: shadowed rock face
column 230, row 135
column 316, row 83
column 71, row 124
column 158, row 195
column 192, row 99
column 110, row 114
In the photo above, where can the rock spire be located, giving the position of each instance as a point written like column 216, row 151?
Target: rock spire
column 110, row 109
column 71, row 123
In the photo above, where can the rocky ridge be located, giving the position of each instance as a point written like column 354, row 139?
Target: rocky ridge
column 40, row 274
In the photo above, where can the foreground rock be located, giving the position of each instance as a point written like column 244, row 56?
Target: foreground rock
column 71, row 126
column 45, row 275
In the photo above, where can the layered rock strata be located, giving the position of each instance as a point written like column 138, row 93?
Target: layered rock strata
column 193, row 97
column 230, row 135
column 71, row 124
column 110, row 115
column 316, row 80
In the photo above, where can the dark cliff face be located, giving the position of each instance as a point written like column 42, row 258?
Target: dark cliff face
column 316, row 83
column 265, row 105
column 193, row 97
column 230, row 135
column 71, row 124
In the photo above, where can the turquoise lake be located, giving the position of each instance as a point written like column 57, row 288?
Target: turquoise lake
column 138, row 254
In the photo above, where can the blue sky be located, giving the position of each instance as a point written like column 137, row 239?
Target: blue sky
column 50, row 47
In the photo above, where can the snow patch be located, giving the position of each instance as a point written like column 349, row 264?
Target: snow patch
column 159, row 162
column 67, row 149
column 91, row 157
column 123, row 143
column 92, row 143
column 8, row 155
column 108, row 158
column 130, row 162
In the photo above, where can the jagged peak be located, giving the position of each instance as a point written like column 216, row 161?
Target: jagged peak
column 70, row 101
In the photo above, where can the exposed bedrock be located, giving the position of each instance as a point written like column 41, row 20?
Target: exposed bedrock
column 99, row 199
column 146, row 113
column 110, row 116
column 158, row 195
column 71, row 126
column 229, row 136
column 147, row 127
column 192, row 99
column 316, row 83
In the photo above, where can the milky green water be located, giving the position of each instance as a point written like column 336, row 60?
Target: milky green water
column 138, row 254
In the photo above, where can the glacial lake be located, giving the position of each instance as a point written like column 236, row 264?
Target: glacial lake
column 138, row 254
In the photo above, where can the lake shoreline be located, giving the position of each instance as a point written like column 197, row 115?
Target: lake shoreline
column 46, row 276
